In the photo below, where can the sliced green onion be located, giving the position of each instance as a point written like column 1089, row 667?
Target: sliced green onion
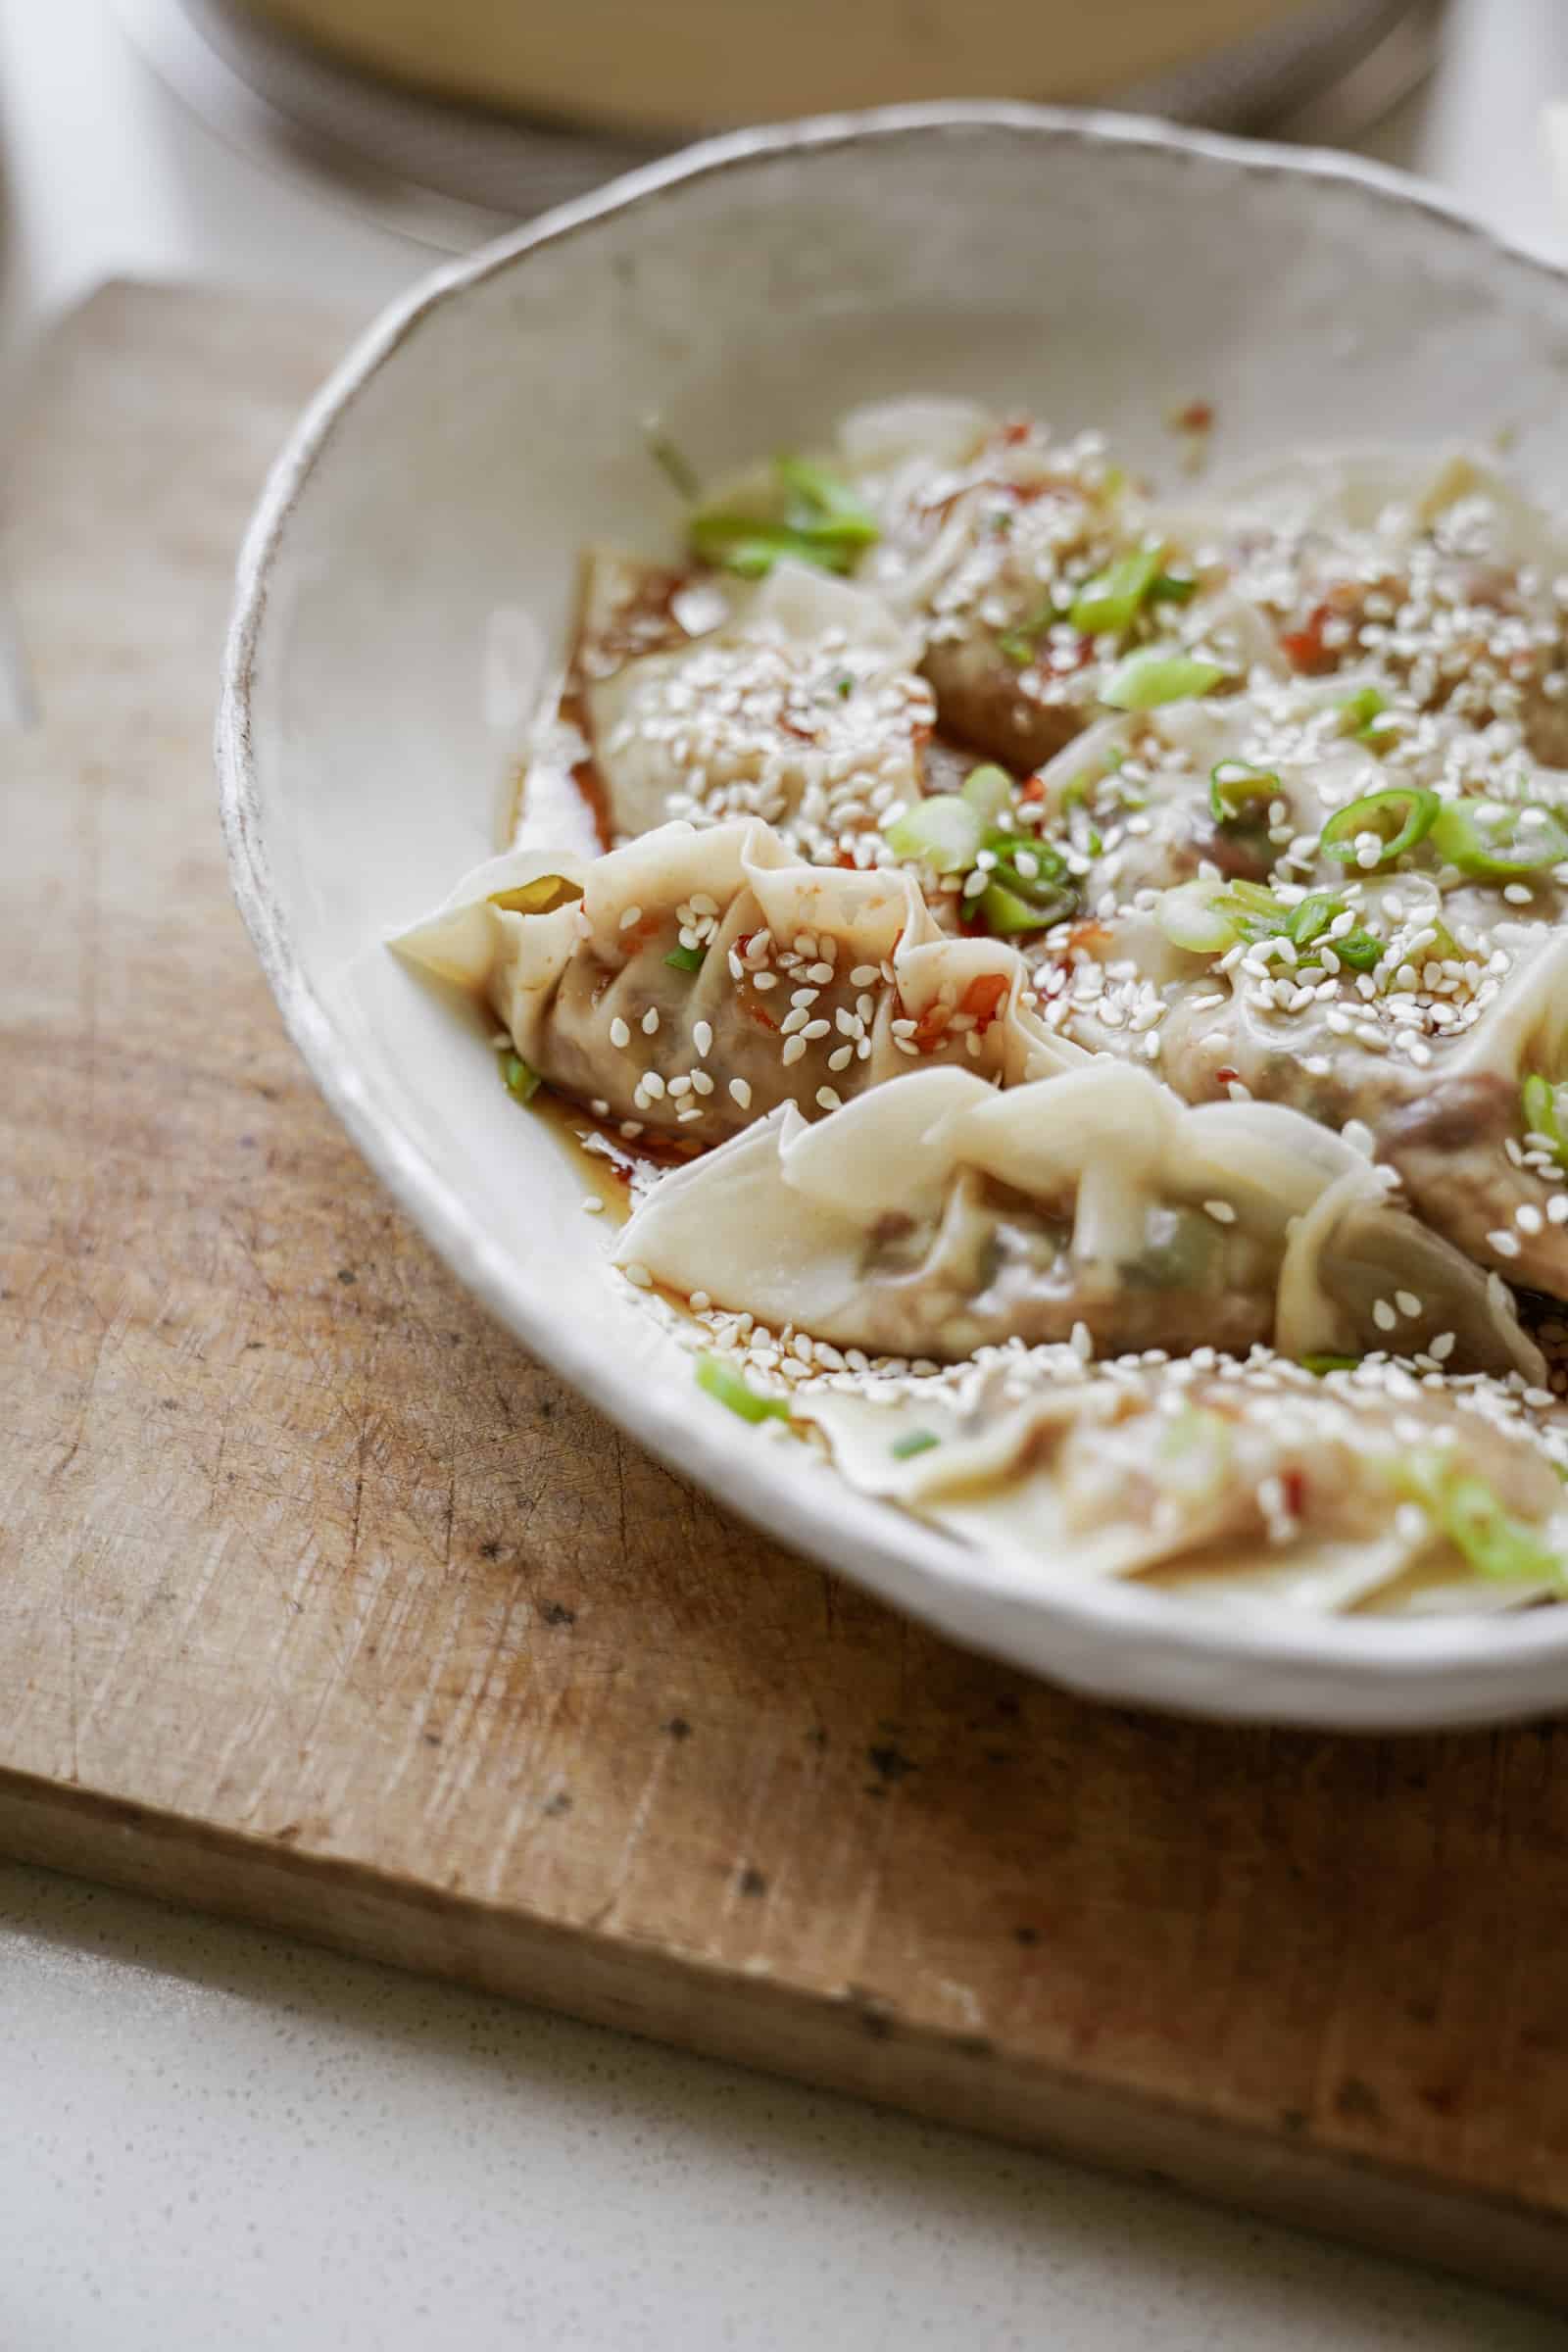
column 1360, row 711
column 673, row 463
column 1311, row 919
column 1020, row 643
column 1495, row 843
column 988, row 791
column 823, row 522
column 1235, row 791
column 942, row 831
column 1193, row 915
column 520, row 1082
column 1003, row 912
column 1049, row 881
column 1172, row 588
column 913, row 1440
column 685, row 960
column 721, row 1381
column 542, row 896
column 1321, row 1364
column 824, row 503
column 740, row 543
column 1110, row 603
column 1466, row 1510
column 1541, row 1105
column 1142, row 682
column 1400, row 816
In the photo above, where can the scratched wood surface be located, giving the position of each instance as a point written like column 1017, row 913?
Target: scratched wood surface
column 320, row 1603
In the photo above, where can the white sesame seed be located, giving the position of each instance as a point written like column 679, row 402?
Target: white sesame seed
column 816, row 1029
column 1506, row 1245
column 841, row 1058
column 828, row 1098
column 1382, row 1314
column 651, row 1021
column 638, row 1275
column 619, row 1034
column 1442, row 1348
column 1221, row 1211
column 741, row 1092
column 795, row 1046
column 592, row 1205
column 1407, row 1302
column 653, row 1084
column 702, row 1038
column 632, row 915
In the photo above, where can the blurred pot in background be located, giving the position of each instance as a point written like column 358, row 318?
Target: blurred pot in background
column 679, row 66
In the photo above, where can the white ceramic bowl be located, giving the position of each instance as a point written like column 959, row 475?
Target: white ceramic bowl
column 417, row 538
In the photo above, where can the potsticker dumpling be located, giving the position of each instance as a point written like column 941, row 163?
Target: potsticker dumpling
column 1361, row 1491
column 800, row 708
column 1451, row 1118
column 940, row 1216
column 692, row 981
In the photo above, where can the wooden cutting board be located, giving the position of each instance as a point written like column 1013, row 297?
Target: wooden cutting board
column 322, row 1605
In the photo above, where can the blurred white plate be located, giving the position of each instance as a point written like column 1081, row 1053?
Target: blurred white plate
column 1096, row 269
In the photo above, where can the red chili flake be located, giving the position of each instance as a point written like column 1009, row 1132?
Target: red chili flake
column 1017, row 430
column 1304, row 649
column 931, row 1029
column 1293, row 1482
column 1227, row 1076
column 984, row 996
column 1198, row 416
column 1032, row 789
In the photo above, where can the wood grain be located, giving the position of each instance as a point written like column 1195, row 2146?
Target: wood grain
column 321, row 1605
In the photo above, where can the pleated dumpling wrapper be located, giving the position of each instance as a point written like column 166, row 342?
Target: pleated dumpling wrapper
column 694, row 981
column 940, row 1216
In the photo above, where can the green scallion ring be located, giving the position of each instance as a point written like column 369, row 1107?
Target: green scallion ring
column 1232, row 784
column 1499, row 853
column 1374, row 812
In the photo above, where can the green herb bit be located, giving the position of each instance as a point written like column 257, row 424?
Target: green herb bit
column 914, row 1442
column 730, row 1388
column 1020, row 644
column 1399, row 816
column 1172, row 588
column 824, row 503
column 1308, row 922
column 1543, row 1105
column 943, row 831
column 1143, row 680
column 824, row 524
column 843, row 686
column 1359, row 713
column 1321, row 1365
column 1495, row 843
column 1239, row 794
column 988, row 791
column 1110, row 603
column 1465, row 1508
column 1005, row 914
column 1193, row 916
column 673, row 463
column 520, row 1082
column 685, row 960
